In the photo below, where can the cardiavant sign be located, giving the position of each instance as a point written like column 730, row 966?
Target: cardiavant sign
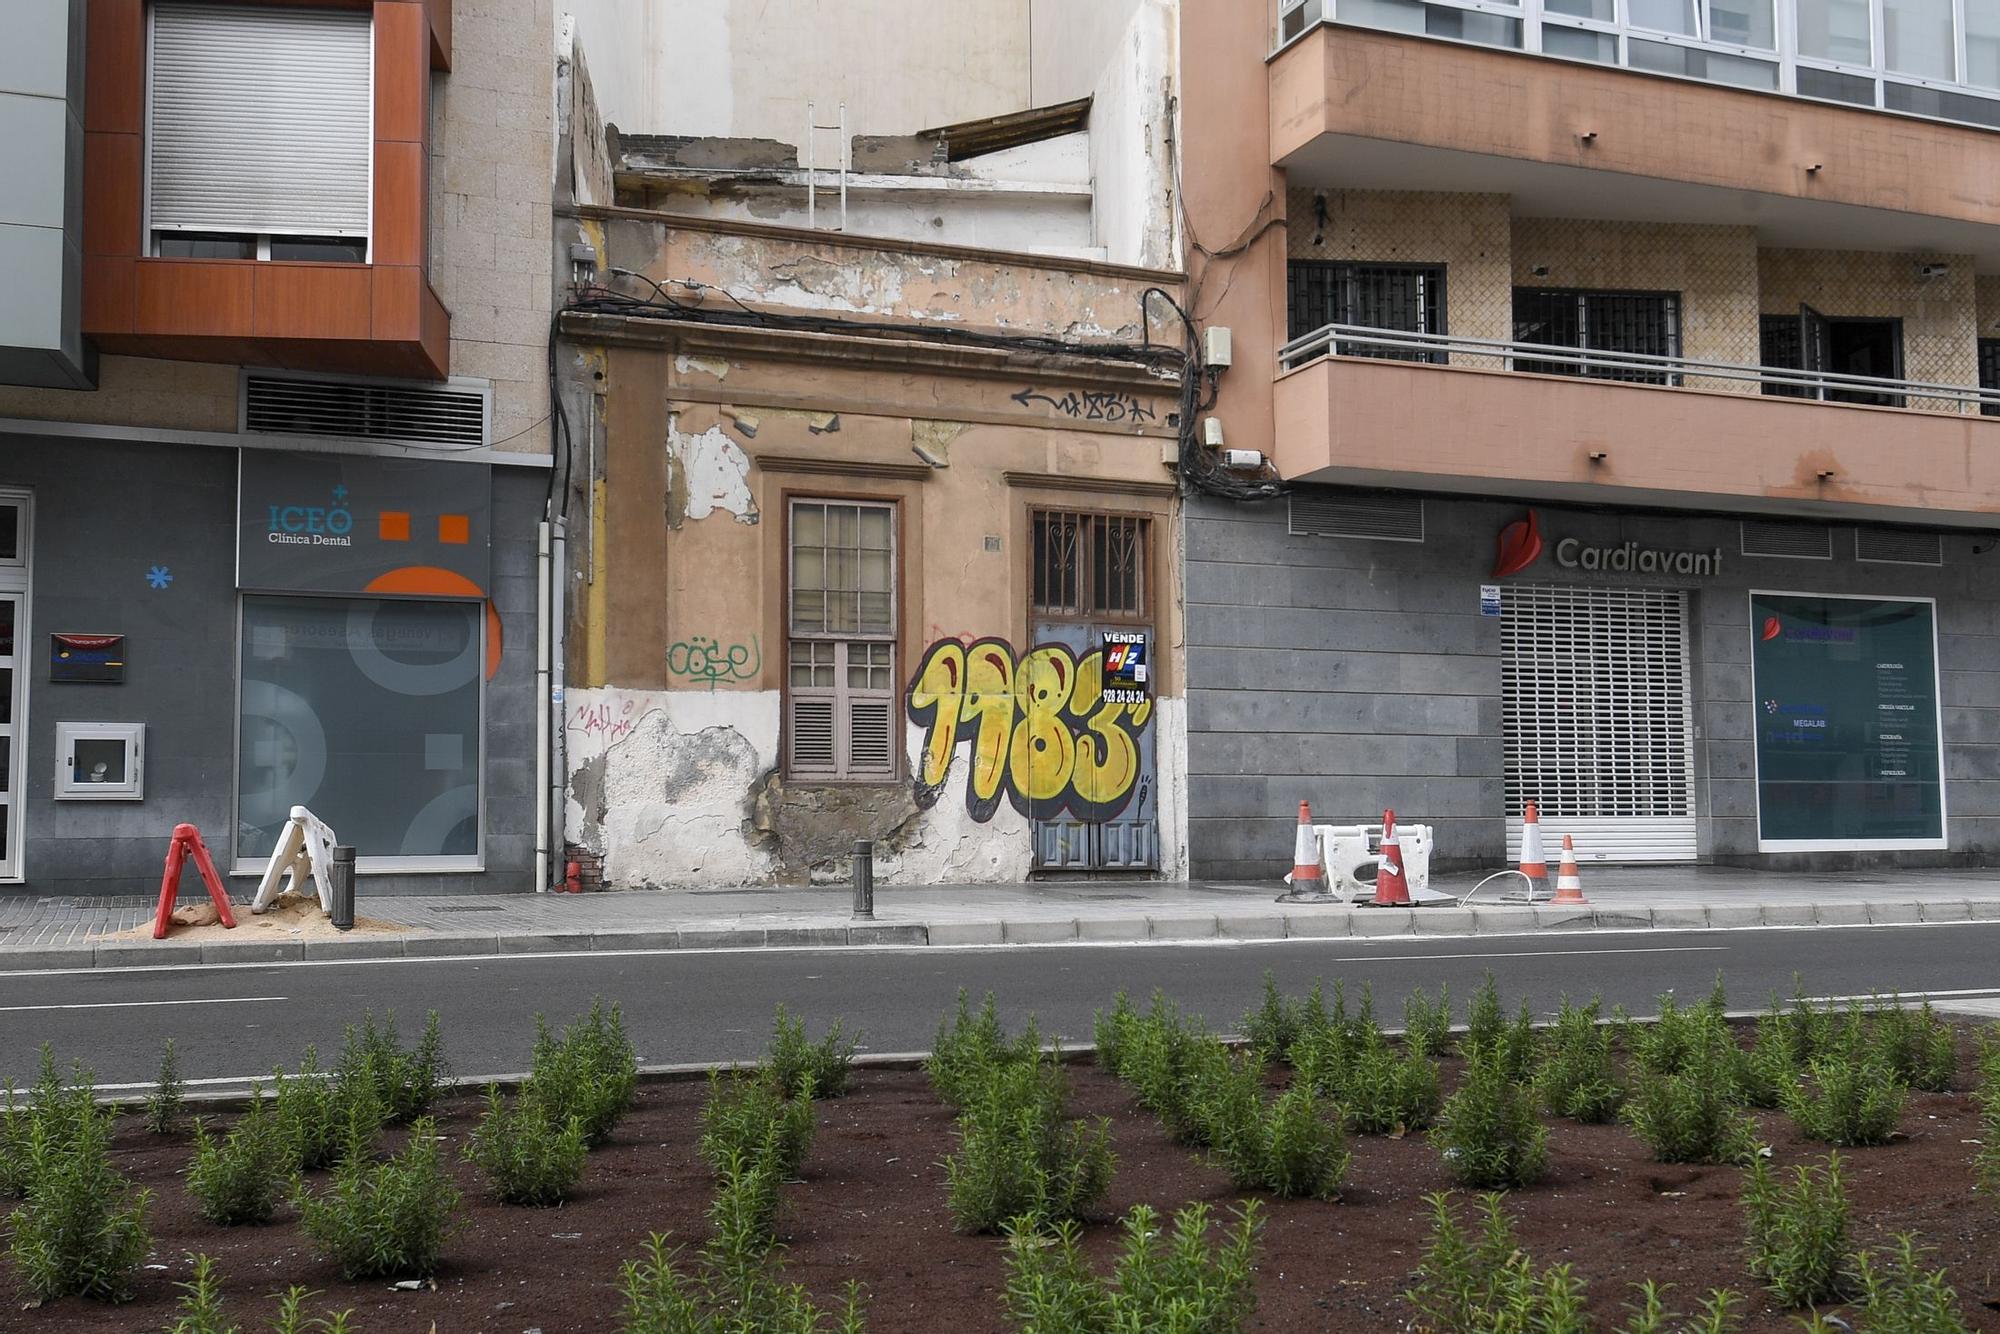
column 1521, row 545
column 1845, row 712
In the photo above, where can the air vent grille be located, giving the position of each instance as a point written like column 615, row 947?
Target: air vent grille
column 1795, row 541
column 449, row 414
column 1899, row 546
column 1324, row 512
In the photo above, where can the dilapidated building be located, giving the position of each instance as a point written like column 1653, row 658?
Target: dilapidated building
column 872, row 502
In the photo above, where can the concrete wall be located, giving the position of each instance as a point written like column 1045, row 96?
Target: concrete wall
column 1359, row 675
column 89, row 574
column 41, row 211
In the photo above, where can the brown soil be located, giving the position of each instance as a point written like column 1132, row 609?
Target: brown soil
column 291, row 916
column 872, row 1207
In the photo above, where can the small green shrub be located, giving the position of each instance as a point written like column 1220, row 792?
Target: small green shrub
column 1692, row 1114
column 1271, row 1028
column 528, row 1156
column 1291, row 1146
column 1168, row 1061
column 1918, row 1046
column 59, row 1107
column 1488, row 1132
column 163, row 1104
column 967, row 1043
column 406, row 1082
column 1485, row 1021
column 1355, row 1026
column 590, row 1072
column 825, row 1065
column 1848, row 1102
column 1680, row 1036
column 200, row 1307
column 1384, row 1093
column 1896, row 1294
column 1986, row 1162
column 1486, row 1284
column 1111, row 1030
column 78, row 1231
column 1579, row 1074
column 1427, row 1023
column 751, row 1116
column 1713, row 1314
column 239, row 1178
column 1179, row 1282
column 388, row 1219
column 1768, row 1071
column 725, row 1294
column 292, row 1317
column 1020, row 1155
column 1798, row 1232
column 743, row 1216
column 309, row 1109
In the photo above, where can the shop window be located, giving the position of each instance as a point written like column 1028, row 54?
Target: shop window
column 840, row 673
column 1642, row 323
column 1090, row 566
column 369, row 713
column 1405, row 298
column 259, row 132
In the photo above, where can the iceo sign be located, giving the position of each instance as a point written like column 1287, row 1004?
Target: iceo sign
column 1126, row 674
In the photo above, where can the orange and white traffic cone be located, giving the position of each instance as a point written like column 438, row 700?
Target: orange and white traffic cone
column 1307, row 879
column 1534, row 862
column 1391, row 889
column 1569, row 886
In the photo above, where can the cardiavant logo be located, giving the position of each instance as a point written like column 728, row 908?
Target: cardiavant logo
column 313, row 525
column 1772, row 628
column 1520, row 546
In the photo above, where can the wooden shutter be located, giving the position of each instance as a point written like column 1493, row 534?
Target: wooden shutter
column 812, row 735
column 260, row 120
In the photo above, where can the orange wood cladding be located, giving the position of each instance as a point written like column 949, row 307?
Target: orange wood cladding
column 376, row 318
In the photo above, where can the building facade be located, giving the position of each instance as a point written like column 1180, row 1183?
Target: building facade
column 1632, row 375
column 273, row 462
column 876, row 426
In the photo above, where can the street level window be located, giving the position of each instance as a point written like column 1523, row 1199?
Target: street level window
column 1090, row 566
column 1403, row 298
column 1616, row 323
column 368, row 712
column 259, row 132
column 840, row 672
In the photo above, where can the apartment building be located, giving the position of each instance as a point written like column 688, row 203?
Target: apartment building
column 876, row 381
column 1633, row 368
column 273, row 436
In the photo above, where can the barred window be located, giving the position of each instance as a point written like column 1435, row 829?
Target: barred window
column 840, row 675
column 1091, row 566
column 1643, row 322
column 1405, row 298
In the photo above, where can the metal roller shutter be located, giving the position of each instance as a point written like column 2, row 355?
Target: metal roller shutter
column 1596, row 720
column 260, row 120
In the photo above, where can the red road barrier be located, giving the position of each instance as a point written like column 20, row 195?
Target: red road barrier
column 187, row 843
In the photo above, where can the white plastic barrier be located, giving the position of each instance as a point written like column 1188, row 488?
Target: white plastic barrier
column 304, row 856
column 1347, row 850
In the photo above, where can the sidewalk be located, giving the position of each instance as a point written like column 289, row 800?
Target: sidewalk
column 40, row 933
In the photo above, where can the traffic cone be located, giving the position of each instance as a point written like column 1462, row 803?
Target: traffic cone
column 1534, row 862
column 1307, row 881
column 1391, row 890
column 1569, row 886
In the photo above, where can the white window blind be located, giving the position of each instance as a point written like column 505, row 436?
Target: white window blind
column 841, row 660
column 260, row 120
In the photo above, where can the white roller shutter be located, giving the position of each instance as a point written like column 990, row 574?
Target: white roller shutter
column 1596, row 720
column 260, row 120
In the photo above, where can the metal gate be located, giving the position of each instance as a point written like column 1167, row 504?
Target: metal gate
column 1596, row 720
column 1129, row 839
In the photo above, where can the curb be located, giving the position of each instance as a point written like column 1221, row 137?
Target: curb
column 1494, row 919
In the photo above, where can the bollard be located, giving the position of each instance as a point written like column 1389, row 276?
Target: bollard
column 864, row 880
column 340, row 903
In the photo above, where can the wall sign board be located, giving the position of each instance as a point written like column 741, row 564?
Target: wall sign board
column 1127, row 675
column 76, row 658
column 1845, row 714
column 338, row 523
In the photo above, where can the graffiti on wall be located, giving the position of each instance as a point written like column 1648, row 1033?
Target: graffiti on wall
column 1090, row 405
column 1040, row 731
column 707, row 660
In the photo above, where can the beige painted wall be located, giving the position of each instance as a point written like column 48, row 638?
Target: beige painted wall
column 1940, row 315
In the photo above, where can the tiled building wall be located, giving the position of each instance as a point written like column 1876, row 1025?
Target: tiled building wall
column 1713, row 270
column 1940, row 314
column 1987, row 301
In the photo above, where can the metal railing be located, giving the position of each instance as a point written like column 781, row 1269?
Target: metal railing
column 1355, row 340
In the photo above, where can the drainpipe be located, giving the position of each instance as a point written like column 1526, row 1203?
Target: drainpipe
column 558, row 776
column 543, row 705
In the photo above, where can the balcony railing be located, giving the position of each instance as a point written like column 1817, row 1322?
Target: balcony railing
column 1353, row 340
column 1871, row 53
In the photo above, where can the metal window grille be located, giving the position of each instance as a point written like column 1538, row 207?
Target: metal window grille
column 1319, row 511
column 1989, row 373
column 1091, row 566
column 1643, row 322
column 1596, row 719
column 1408, row 298
column 1899, row 546
column 840, row 672
column 1780, row 345
column 1795, row 541
column 454, row 413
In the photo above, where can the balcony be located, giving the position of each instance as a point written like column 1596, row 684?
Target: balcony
column 1377, row 407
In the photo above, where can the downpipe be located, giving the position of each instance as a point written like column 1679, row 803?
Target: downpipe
column 544, row 703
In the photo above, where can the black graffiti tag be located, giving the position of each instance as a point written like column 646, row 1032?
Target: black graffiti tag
column 1090, row 405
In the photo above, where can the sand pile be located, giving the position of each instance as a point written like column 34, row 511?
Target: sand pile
column 292, row 917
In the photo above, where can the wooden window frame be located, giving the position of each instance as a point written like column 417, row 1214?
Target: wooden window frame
column 1084, row 610
column 841, row 698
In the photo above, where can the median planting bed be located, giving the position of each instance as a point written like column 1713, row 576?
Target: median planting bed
column 1324, row 1177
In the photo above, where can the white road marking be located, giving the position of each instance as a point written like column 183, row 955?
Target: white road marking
column 1528, row 954
column 146, row 1004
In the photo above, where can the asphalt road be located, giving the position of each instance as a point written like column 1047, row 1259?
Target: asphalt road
column 684, row 1006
